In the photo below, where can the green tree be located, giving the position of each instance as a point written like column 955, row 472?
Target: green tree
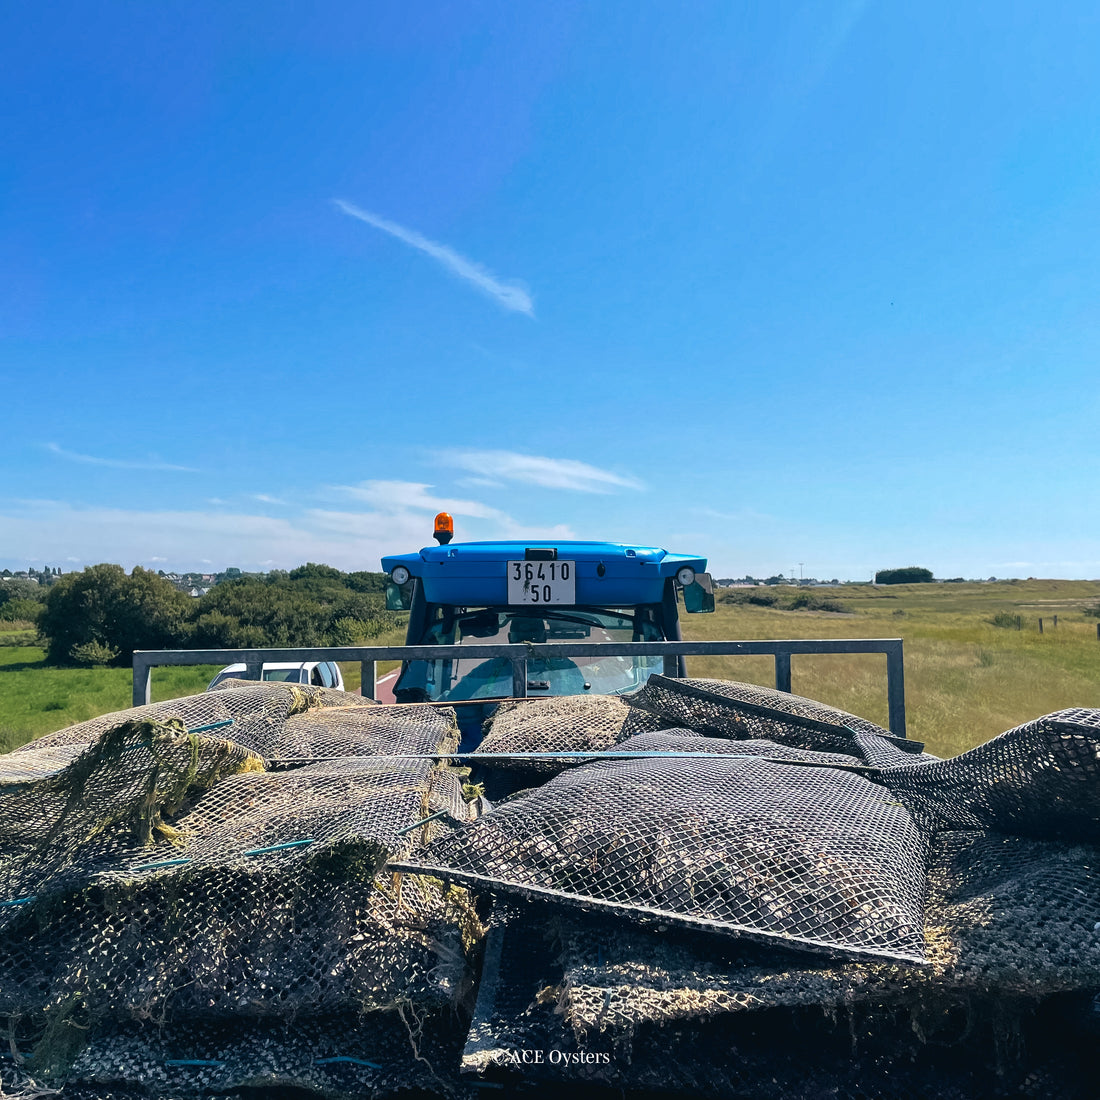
column 117, row 611
column 267, row 614
column 311, row 605
column 21, row 611
column 367, row 582
column 911, row 574
column 19, row 589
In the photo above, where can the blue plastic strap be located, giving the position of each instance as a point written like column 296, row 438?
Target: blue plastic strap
column 192, row 1062
column 162, row 863
column 277, row 847
column 19, row 901
column 211, row 726
column 422, row 821
column 346, row 1059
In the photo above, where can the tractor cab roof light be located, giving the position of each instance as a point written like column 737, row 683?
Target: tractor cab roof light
column 444, row 528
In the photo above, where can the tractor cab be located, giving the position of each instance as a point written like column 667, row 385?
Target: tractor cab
column 504, row 593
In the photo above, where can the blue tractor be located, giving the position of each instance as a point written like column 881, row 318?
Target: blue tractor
column 481, row 593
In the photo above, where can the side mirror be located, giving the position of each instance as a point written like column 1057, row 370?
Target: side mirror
column 699, row 597
column 398, row 598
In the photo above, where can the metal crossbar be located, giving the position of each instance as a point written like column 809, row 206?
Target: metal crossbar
column 145, row 660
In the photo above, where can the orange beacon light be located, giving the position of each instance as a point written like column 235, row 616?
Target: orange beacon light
column 444, row 528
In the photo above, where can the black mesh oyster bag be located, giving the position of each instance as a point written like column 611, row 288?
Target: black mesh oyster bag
column 564, row 723
column 1041, row 780
column 729, row 708
column 802, row 855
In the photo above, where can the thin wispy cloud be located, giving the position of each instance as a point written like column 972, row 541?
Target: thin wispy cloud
column 550, row 473
column 381, row 517
column 479, row 483
column 406, row 496
column 118, row 463
column 265, row 498
column 510, row 295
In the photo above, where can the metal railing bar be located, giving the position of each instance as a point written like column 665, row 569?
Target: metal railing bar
column 519, row 654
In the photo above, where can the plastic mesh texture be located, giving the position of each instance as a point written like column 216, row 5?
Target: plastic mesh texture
column 1006, row 917
column 808, row 856
column 249, row 707
column 330, row 1055
column 56, row 826
column 681, row 740
column 1000, row 1008
column 359, row 731
column 153, row 873
column 100, row 811
column 322, row 696
column 1041, row 779
column 217, row 895
column 644, row 1035
column 731, row 709
column 263, row 897
column 239, row 942
column 284, row 723
column 570, row 723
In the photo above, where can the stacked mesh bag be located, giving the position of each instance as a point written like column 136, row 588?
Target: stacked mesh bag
column 195, row 897
column 770, row 897
column 745, row 894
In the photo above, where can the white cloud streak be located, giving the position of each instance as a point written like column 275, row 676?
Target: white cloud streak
column 550, row 473
column 41, row 531
column 510, row 295
column 118, row 463
column 406, row 496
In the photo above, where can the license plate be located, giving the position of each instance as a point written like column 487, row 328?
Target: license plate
column 539, row 582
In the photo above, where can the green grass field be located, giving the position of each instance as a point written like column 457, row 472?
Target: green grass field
column 965, row 679
column 38, row 698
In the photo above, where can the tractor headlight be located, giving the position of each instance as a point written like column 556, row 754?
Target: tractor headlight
column 400, row 574
column 685, row 576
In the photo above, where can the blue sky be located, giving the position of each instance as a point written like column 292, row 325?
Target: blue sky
column 775, row 283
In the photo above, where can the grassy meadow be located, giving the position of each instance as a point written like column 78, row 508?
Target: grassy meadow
column 38, row 698
column 966, row 680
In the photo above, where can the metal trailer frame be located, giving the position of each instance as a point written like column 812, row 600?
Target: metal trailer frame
column 145, row 660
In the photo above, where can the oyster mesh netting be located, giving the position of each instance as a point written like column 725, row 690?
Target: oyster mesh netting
column 642, row 1009
column 192, row 911
column 152, row 873
column 734, row 843
column 789, row 845
column 731, row 709
column 573, row 723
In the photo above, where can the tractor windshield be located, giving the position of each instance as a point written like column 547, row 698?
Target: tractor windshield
column 492, row 678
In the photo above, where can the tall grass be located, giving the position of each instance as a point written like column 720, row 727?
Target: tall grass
column 38, row 698
column 965, row 679
column 18, row 632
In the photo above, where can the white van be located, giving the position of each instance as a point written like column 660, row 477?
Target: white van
column 317, row 673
